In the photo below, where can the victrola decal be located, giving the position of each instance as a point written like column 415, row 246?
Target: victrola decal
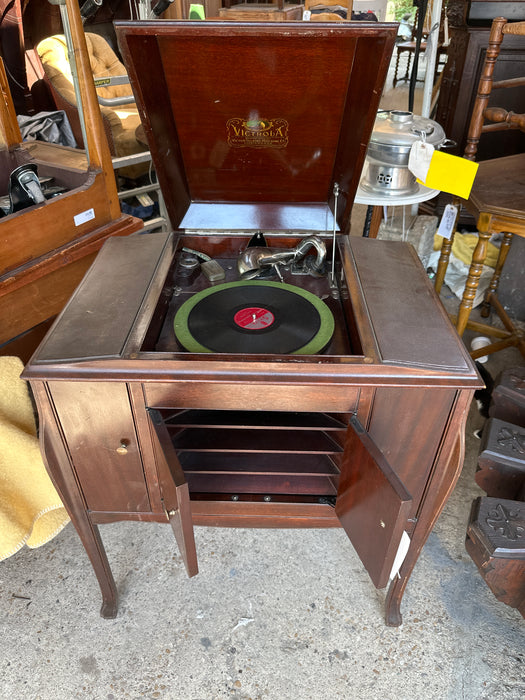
column 257, row 133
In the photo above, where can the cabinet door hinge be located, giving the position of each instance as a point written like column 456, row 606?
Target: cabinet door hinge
column 327, row 501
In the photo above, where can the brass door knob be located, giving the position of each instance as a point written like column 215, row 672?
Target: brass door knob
column 123, row 448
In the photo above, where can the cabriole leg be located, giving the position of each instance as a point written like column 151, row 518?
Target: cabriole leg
column 60, row 470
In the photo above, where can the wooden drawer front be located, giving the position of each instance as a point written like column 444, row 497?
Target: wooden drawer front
column 98, row 425
column 327, row 398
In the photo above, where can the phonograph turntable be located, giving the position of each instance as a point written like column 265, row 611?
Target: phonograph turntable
column 259, row 366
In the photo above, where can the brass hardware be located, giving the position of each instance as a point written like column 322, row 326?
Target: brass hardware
column 123, row 448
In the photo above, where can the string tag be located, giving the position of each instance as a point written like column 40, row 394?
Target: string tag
column 419, row 158
column 448, row 221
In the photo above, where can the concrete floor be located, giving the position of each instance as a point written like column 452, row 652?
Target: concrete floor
column 272, row 615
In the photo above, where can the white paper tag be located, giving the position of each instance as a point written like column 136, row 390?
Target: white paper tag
column 84, row 216
column 401, row 554
column 306, row 15
column 448, row 221
column 419, row 159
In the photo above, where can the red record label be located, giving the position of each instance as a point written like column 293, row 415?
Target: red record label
column 254, row 318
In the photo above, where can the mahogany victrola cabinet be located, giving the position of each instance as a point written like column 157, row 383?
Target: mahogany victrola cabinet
column 256, row 127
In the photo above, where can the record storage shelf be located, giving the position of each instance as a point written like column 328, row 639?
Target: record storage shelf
column 258, row 455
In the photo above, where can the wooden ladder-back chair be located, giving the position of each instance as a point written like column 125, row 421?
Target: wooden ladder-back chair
column 497, row 200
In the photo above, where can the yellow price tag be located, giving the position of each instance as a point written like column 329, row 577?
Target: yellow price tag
column 451, row 174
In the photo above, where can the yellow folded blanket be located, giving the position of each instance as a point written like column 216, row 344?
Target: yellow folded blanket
column 463, row 247
column 31, row 511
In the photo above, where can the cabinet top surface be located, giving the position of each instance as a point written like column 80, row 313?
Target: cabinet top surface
column 405, row 335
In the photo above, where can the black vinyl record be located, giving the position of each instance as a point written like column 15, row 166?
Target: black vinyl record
column 254, row 318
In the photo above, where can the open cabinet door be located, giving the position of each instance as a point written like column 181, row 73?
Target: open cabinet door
column 174, row 491
column 372, row 504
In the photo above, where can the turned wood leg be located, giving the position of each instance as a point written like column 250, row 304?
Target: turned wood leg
column 446, row 248
column 445, row 475
column 409, row 63
column 396, row 69
column 471, row 286
column 444, row 257
column 494, row 282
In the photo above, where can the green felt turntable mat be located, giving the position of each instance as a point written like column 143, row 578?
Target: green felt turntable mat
column 314, row 343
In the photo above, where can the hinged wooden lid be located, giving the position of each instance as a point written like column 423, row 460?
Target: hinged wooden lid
column 252, row 124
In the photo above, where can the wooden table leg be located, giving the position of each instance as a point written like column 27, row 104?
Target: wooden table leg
column 444, row 258
column 472, row 283
column 494, row 282
column 373, row 218
column 446, row 249
column 396, row 67
column 406, row 77
column 61, row 473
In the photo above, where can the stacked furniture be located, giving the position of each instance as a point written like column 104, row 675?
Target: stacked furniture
column 496, row 530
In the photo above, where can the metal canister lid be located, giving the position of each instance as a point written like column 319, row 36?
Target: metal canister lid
column 399, row 128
